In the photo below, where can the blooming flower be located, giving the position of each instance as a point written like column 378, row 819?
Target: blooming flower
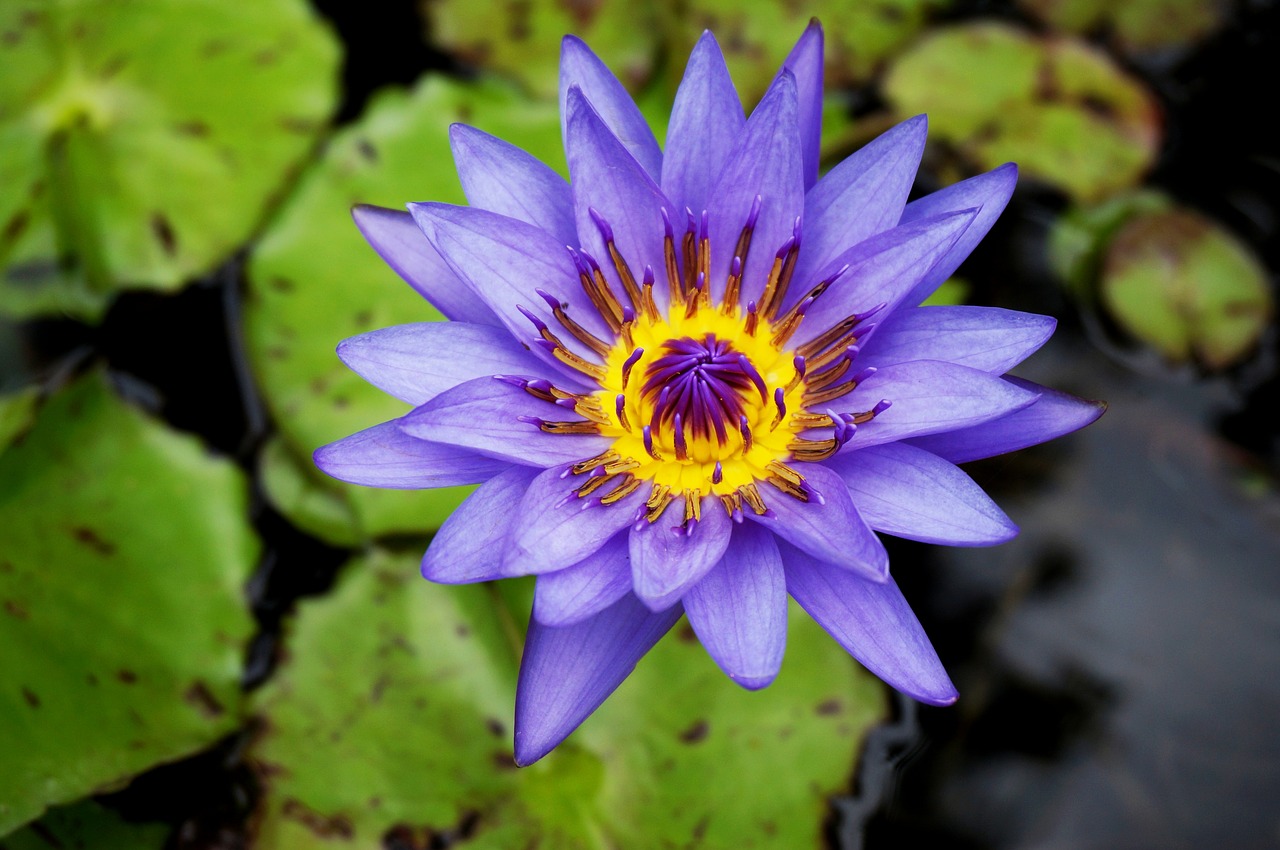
column 696, row 381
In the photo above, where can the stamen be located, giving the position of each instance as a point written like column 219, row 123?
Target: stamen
column 589, row 287
column 732, row 503
column 697, row 297
column 801, row 368
column 689, row 244
column 599, row 460
column 744, row 428
column 837, row 331
column 568, row 358
column 704, row 257
column 593, row 483
column 609, row 301
column 674, row 283
column 682, row 448
column 658, row 501
column 791, row 325
column 749, row 369
column 753, row 319
column 818, row 290
column 647, row 435
column 730, row 301
column 717, row 474
column 819, row 396
column 620, row 407
column 561, row 427
column 648, row 307
column 780, row 402
column 788, row 268
column 751, row 495
column 629, row 364
column 626, row 488
column 771, row 285
column 583, row 335
column 692, row 509
column 615, row 256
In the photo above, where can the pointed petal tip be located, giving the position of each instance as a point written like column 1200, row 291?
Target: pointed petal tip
column 754, row 683
column 942, row 698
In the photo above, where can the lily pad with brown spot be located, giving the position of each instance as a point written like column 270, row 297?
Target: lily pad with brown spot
column 142, row 141
column 123, row 554
column 1137, row 26
column 391, row 719
column 1060, row 108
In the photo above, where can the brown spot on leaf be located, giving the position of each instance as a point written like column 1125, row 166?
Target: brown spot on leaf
column 92, row 679
column 495, row 727
column 14, row 609
column 504, row 760
column 163, row 231
column 298, row 124
column 203, row 699
column 14, row 226
column 195, row 128
column 696, row 732
column 828, row 707
column 31, row 698
column 89, row 538
column 583, row 12
column 265, row 57
column 686, row 634
column 367, row 150
column 126, row 676
column 1099, row 107
column 281, row 284
column 114, row 66
column 379, row 687
column 332, row 826
column 461, row 630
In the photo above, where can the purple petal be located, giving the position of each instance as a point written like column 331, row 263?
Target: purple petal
column 1052, row 415
column 873, row 622
column 484, row 415
column 739, row 609
column 829, row 528
column 666, row 561
column 385, row 456
column 415, row 363
column 988, row 193
column 985, row 338
column 805, row 63
column 401, row 244
column 468, row 547
column 929, row 397
column 908, row 492
column 607, row 179
column 567, row 672
column 505, row 262
column 501, row 178
column 558, row 529
column 882, row 271
column 766, row 161
column 862, row 196
column 581, row 68
column 575, row 593
column 706, row 121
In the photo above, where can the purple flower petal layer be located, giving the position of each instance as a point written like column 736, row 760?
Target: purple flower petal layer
column 608, row 182
column 581, row 68
column 558, row 528
column 567, row 672
column 767, row 162
column 467, row 547
column 501, row 178
column 415, row 363
column 385, row 456
column 908, row 492
column 1052, row 415
column 484, row 415
column 985, row 338
column 930, row 397
column 827, row 526
column 694, row 157
column 402, row 245
column 666, row 561
column 862, row 196
column 575, row 593
column 988, row 193
column 739, row 609
column 873, row 622
column 805, row 63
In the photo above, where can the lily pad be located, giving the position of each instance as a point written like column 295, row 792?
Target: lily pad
column 521, row 40
column 405, row 691
column 1079, row 238
column 86, row 826
column 1187, row 287
column 142, row 141
column 314, row 282
column 1136, row 25
column 1060, row 108
column 123, row 552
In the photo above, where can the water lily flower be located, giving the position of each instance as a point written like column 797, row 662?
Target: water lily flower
column 696, row 381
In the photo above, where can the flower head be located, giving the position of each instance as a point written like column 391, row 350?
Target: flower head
column 696, row 381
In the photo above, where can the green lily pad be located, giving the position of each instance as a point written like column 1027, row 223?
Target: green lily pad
column 405, row 690
column 1136, row 25
column 522, row 40
column 756, row 37
column 1187, row 287
column 1060, row 108
column 314, row 282
column 1079, row 238
column 86, row 826
column 142, row 141
column 123, row 552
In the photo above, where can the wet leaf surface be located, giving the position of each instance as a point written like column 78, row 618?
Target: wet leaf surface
column 392, row 719
column 112, row 111
column 123, row 553
column 314, row 282
column 1137, row 25
column 1060, row 108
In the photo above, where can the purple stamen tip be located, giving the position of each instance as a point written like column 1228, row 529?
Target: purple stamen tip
column 628, row 315
column 537, row 323
column 737, row 515
column 864, row 374
column 704, row 226
column 745, row 429
column 754, row 214
column 881, row 406
column 552, row 301
column 804, row 305
column 546, row 344
column 751, row 307
column 813, row 494
column 869, row 313
column 666, row 224
column 786, row 248
column 678, row 435
column 647, row 280
column 717, row 474
column 693, row 221
column 799, row 364
column 780, row 401
column 735, row 267
column 514, row 381
column 591, row 261
column 795, row 231
column 839, row 274
column 530, row 420
column 647, row 434
column 769, row 513
column 700, row 282
column 566, row 402
column 605, row 230
column 619, row 404
column 633, row 359
column 598, row 472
